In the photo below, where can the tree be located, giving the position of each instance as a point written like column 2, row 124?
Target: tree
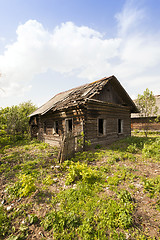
column 15, row 120
column 146, row 104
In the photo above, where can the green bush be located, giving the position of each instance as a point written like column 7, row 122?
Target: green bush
column 125, row 196
column 14, row 123
column 117, row 178
column 5, row 139
column 152, row 150
column 81, row 213
column 132, row 148
column 152, row 186
column 23, row 187
column 80, row 171
column 4, row 222
column 116, row 214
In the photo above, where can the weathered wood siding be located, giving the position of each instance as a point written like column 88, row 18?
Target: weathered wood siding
column 108, row 94
column 140, row 123
column 48, row 120
column 110, row 114
column 86, row 121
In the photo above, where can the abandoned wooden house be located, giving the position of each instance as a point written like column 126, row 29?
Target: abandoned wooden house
column 98, row 112
column 152, row 123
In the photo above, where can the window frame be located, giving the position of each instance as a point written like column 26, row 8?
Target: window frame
column 55, row 128
column 120, row 126
column 67, row 125
column 103, row 127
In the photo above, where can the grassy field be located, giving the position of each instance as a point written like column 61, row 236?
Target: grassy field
column 106, row 193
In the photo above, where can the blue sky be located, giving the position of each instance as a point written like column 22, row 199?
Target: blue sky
column 49, row 46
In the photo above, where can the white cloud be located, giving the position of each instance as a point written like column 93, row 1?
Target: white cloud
column 133, row 56
column 2, row 39
column 130, row 18
column 139, row 52
column 66, row 49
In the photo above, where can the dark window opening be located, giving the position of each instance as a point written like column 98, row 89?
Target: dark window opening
column 44, row 127
column 100, row 126
column 120, row 125
column 56, row 127
column 69, row 125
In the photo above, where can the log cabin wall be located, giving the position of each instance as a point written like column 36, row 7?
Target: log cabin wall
column 47, row 132
column 110, row 117
column 53, row 126
column 86, row 121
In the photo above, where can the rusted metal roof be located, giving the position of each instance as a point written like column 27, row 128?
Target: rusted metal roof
column 79, row 95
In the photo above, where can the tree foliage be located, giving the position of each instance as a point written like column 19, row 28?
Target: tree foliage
column 15, row 120
column 146, row 104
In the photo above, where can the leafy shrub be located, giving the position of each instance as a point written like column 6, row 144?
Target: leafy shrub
column 125, row 196
column 132, row 148
column 119, row 176
column 4, row 222
column 43, row 146
column 30, row 167
column 5, row 139
column 116, row 214
column 80, row 171
column 152, row 186
column 127, row 155
column 117, row 236
column 48, row 180
column 57, row 221
column 83, row 214
column 136, row 142
column 23, row 187
column 152, row 149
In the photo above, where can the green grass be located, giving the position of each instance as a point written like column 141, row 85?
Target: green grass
column 107, row 193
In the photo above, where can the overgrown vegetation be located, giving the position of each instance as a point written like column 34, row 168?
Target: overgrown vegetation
column 14, row 122
column 107, row 193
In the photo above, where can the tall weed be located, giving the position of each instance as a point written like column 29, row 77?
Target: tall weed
column 81, row 213
column 23, row 187
column 152, row 149
column 152, row 186
column 80, row 171
column 4, row 222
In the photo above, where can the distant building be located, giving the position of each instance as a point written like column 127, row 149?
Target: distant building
column 138, row 121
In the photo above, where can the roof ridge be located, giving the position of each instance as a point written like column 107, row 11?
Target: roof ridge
column 81, row 92
column 86, row 84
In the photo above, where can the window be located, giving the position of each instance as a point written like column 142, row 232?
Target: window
column 101, row 126
column 120, row 126
column 69, row 125
column 55, row 127
column 44, row 127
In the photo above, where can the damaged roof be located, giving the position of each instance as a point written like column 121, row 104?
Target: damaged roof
column 80, row 94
